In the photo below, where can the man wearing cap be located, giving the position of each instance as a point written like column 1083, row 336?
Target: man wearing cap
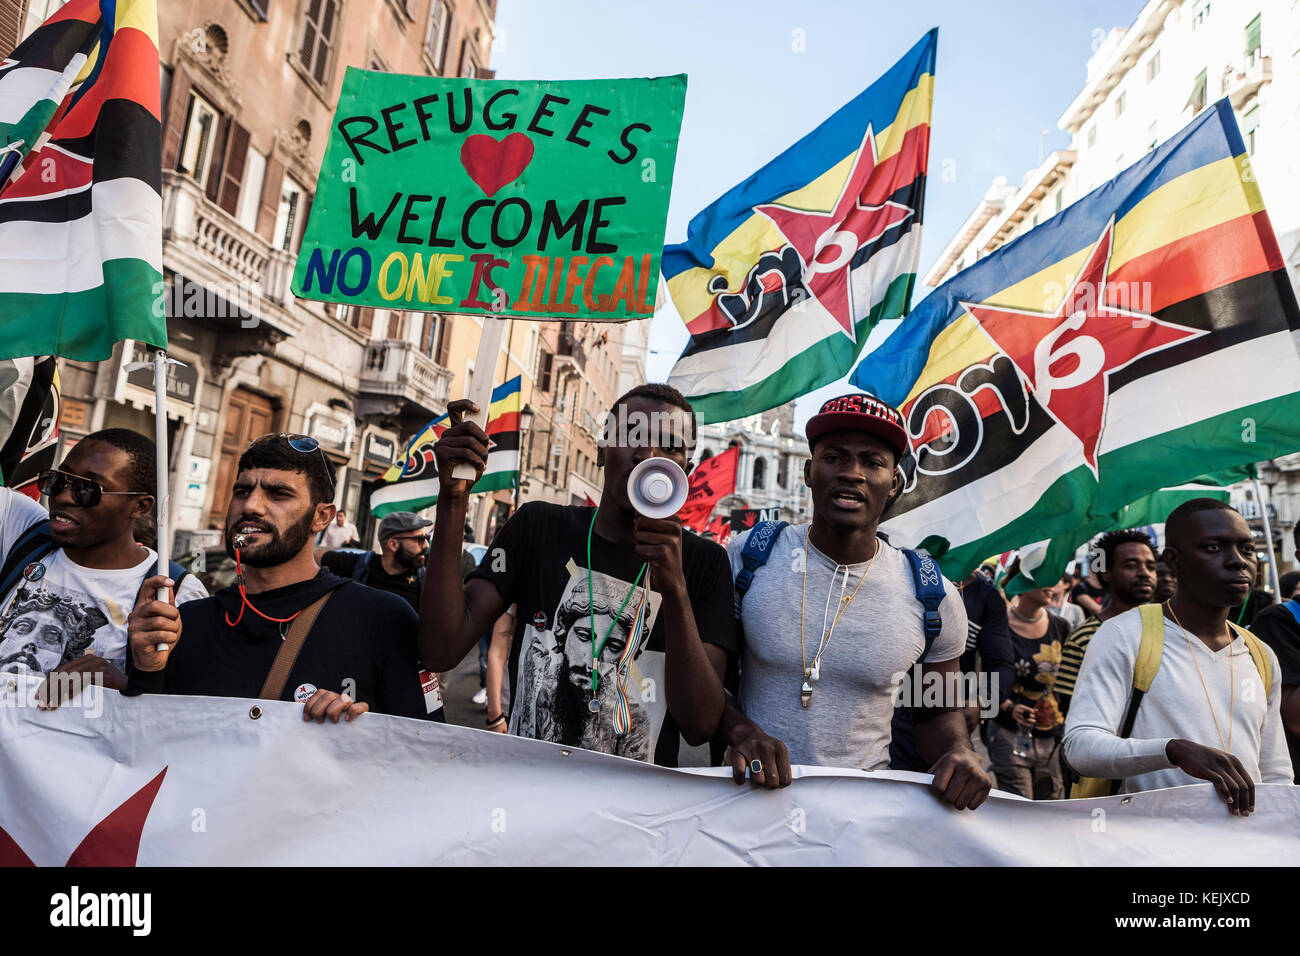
column 403, row 545
column 832, row 623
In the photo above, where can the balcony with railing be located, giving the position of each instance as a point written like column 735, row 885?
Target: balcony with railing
column 569, row 349
column 398, row 379
column 1243, row 80
column 210, row 247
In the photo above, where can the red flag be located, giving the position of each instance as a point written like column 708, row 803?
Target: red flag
column 721, row 528
column 587, row 502
column 711, row 481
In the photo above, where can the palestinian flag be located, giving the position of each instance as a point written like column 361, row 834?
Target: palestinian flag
column 81, row 206
column 29, row 420
column 1043, row 562
column 782, row 278
column 412, row 483
column 1140, row 338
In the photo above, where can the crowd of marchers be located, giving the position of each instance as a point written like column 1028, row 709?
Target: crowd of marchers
column 605, row 629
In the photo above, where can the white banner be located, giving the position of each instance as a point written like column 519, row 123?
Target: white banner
column 191, row 780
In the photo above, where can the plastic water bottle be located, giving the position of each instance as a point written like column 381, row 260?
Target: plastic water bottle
column 1023, row 745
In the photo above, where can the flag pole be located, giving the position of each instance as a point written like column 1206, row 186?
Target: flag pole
column 1268, row 537
column 162, row 498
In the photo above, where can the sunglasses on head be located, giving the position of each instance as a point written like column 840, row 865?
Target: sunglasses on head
column 305, row 445
column 86, row 493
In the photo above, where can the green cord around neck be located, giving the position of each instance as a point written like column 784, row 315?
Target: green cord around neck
column 591, row 606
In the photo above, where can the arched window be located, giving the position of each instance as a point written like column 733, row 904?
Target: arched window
column 760, row 472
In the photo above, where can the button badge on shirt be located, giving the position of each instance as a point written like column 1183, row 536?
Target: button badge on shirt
column 304, row 692
column 34, row 571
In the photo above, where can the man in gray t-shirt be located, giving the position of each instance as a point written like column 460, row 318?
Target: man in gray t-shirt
column 832, row 624
column 872, row 646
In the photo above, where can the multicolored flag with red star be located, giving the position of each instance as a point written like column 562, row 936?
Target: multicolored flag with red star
column 781, row 279
column 411, row 484
column 1140, row 338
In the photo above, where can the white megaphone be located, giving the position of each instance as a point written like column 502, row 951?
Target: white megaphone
column 657, row 487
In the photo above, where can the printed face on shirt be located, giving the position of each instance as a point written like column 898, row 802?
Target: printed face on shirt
column 43, row 629
column 273, row 511
column 574, row 619
column 852, row 476
column 72, row 526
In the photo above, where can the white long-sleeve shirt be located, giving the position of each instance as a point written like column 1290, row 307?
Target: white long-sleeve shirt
column 1174, row 707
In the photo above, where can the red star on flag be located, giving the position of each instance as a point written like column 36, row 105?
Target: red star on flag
column 827, row 241
column 1068, row 356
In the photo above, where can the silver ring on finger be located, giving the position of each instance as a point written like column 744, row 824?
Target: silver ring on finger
column 755, row 767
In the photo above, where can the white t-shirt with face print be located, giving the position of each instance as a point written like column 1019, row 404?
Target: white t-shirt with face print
column 59, row 610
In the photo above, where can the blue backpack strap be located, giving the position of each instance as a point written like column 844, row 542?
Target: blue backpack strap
column 928, row 583
column 175, row 571
column 32, row 545
column 758, row 548
column 1293, row 607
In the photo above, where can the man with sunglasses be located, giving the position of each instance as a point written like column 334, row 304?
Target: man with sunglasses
column 399, row 570
column 70, row 576
column 359, row 652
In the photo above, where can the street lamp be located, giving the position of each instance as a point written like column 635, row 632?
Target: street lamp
column 526, row 417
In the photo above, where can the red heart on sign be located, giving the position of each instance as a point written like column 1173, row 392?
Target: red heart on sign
column 492, row 164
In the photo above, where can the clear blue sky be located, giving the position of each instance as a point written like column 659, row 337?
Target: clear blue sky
column 1006, row 71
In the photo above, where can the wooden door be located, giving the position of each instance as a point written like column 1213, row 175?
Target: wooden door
column 248, row 416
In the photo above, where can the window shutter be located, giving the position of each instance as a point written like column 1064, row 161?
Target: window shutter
column 1252, row 36
column 270, row 198
column 178, row 109
column 213, row 187
column 232, row 176
column 444, row 343
column 304, row 215
column 427, row 333
column 365, row 320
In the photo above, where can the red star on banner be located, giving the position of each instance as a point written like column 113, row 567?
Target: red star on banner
column 115, row 840
column 1068, row 356
column 827, row 241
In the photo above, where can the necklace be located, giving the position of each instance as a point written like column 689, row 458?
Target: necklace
column 593, row 705
column 811, row 674
column 1029, row 620
column 1232, row 683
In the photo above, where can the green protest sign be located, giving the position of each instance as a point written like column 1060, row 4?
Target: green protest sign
column 533, row 199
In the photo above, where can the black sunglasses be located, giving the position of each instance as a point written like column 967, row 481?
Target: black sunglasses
column 303, row 444
column 85, row 492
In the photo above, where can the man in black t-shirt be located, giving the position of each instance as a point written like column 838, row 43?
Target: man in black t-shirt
column 597, row 661
column 399, row 566
column 1279, row 628
column 360, row 653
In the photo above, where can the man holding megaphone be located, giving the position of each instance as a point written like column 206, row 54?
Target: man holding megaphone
column 624, row 624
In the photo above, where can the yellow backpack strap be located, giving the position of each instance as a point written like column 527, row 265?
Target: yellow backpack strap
column 1257, row 652
column 1152, row 647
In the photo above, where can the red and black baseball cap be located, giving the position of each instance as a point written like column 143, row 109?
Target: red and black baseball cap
column 864, row 413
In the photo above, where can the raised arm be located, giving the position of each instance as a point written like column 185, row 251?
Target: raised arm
column 454, row 614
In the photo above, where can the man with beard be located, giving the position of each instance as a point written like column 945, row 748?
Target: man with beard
column 400, row 566
column 76, row 571
column 359, row 651
column 670, row 679
column 1130, row 579
column 1211, row 711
